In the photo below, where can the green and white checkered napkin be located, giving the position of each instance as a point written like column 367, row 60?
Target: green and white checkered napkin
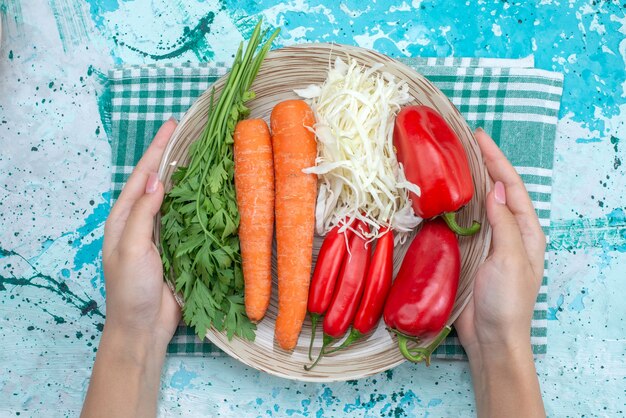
column 516, row 104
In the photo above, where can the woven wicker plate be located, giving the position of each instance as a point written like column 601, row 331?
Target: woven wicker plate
column 296, row 67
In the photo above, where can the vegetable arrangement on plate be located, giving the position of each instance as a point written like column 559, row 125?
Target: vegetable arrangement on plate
column 354, row 163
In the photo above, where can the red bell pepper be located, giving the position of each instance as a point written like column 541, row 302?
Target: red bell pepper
column 377, row 285
column 423, row 293
column 348, row 290
column 433, row 158
column 329, row 261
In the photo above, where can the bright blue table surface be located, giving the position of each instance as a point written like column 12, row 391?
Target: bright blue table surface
column 54, row 182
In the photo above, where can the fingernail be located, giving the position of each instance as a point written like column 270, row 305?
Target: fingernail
column 499, row 193
column 479, row 129
column 173, row 119
column 152, row 183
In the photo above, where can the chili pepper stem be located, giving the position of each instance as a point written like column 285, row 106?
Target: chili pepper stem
column 354, row 335
column 421, row 353
column 327, row 341
column 314, row 318
column 450, row 218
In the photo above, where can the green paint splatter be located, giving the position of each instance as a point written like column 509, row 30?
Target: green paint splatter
column 11, row 55
column 86, row 305
column 615, row 142
column 607, row 232
column 617, row 162
column 192, row 39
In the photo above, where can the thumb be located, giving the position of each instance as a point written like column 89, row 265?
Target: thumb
column 139, row 225
column 506, row 234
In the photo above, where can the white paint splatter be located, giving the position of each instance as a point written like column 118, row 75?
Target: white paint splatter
column 574, row 129
column 622, row 44
column 404, row 7
column 496, row 29
column 587, row 9
column 351, row 12
column 581, row 27
column 607, row 50
column 596, row 26
column 271, row 15
column 367, row 40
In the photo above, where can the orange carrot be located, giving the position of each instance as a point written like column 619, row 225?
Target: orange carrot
column 254, row 185
column 294, row 149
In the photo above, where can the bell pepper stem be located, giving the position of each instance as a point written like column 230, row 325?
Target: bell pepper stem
column 327, row 341
column 421, row 353
column 450, row 218
column 352, row 337
column 314, row 319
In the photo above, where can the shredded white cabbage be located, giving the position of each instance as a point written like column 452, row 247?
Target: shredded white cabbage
column 357, row 168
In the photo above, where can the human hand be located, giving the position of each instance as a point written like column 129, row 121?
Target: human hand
column 498, row 316
column 494, row 327
column 141, row 312
column 139, row 303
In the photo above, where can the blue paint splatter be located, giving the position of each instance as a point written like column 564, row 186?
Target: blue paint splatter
column 434, row 402
column 97, row 216
column 350, row 407
column 90, row 253
column 604, row 256
column 577, row 304
column 327, row 396
column 87, row 253
column 182, row 378
column 408, row 402
column 592, row 73
column 554, row 310
column 275, row 392
column 588, row 140
column 617, row 217
column 97, row 9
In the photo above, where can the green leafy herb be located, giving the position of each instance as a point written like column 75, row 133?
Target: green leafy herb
column 200, row 248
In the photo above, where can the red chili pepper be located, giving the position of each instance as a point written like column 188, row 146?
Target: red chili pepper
column 423, row 293
column 377, row 285
column 348, row 290
column 329, row 261
column 433, row 158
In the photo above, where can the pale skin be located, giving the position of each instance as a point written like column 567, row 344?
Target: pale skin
column 494, row 328
column 142, row 314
